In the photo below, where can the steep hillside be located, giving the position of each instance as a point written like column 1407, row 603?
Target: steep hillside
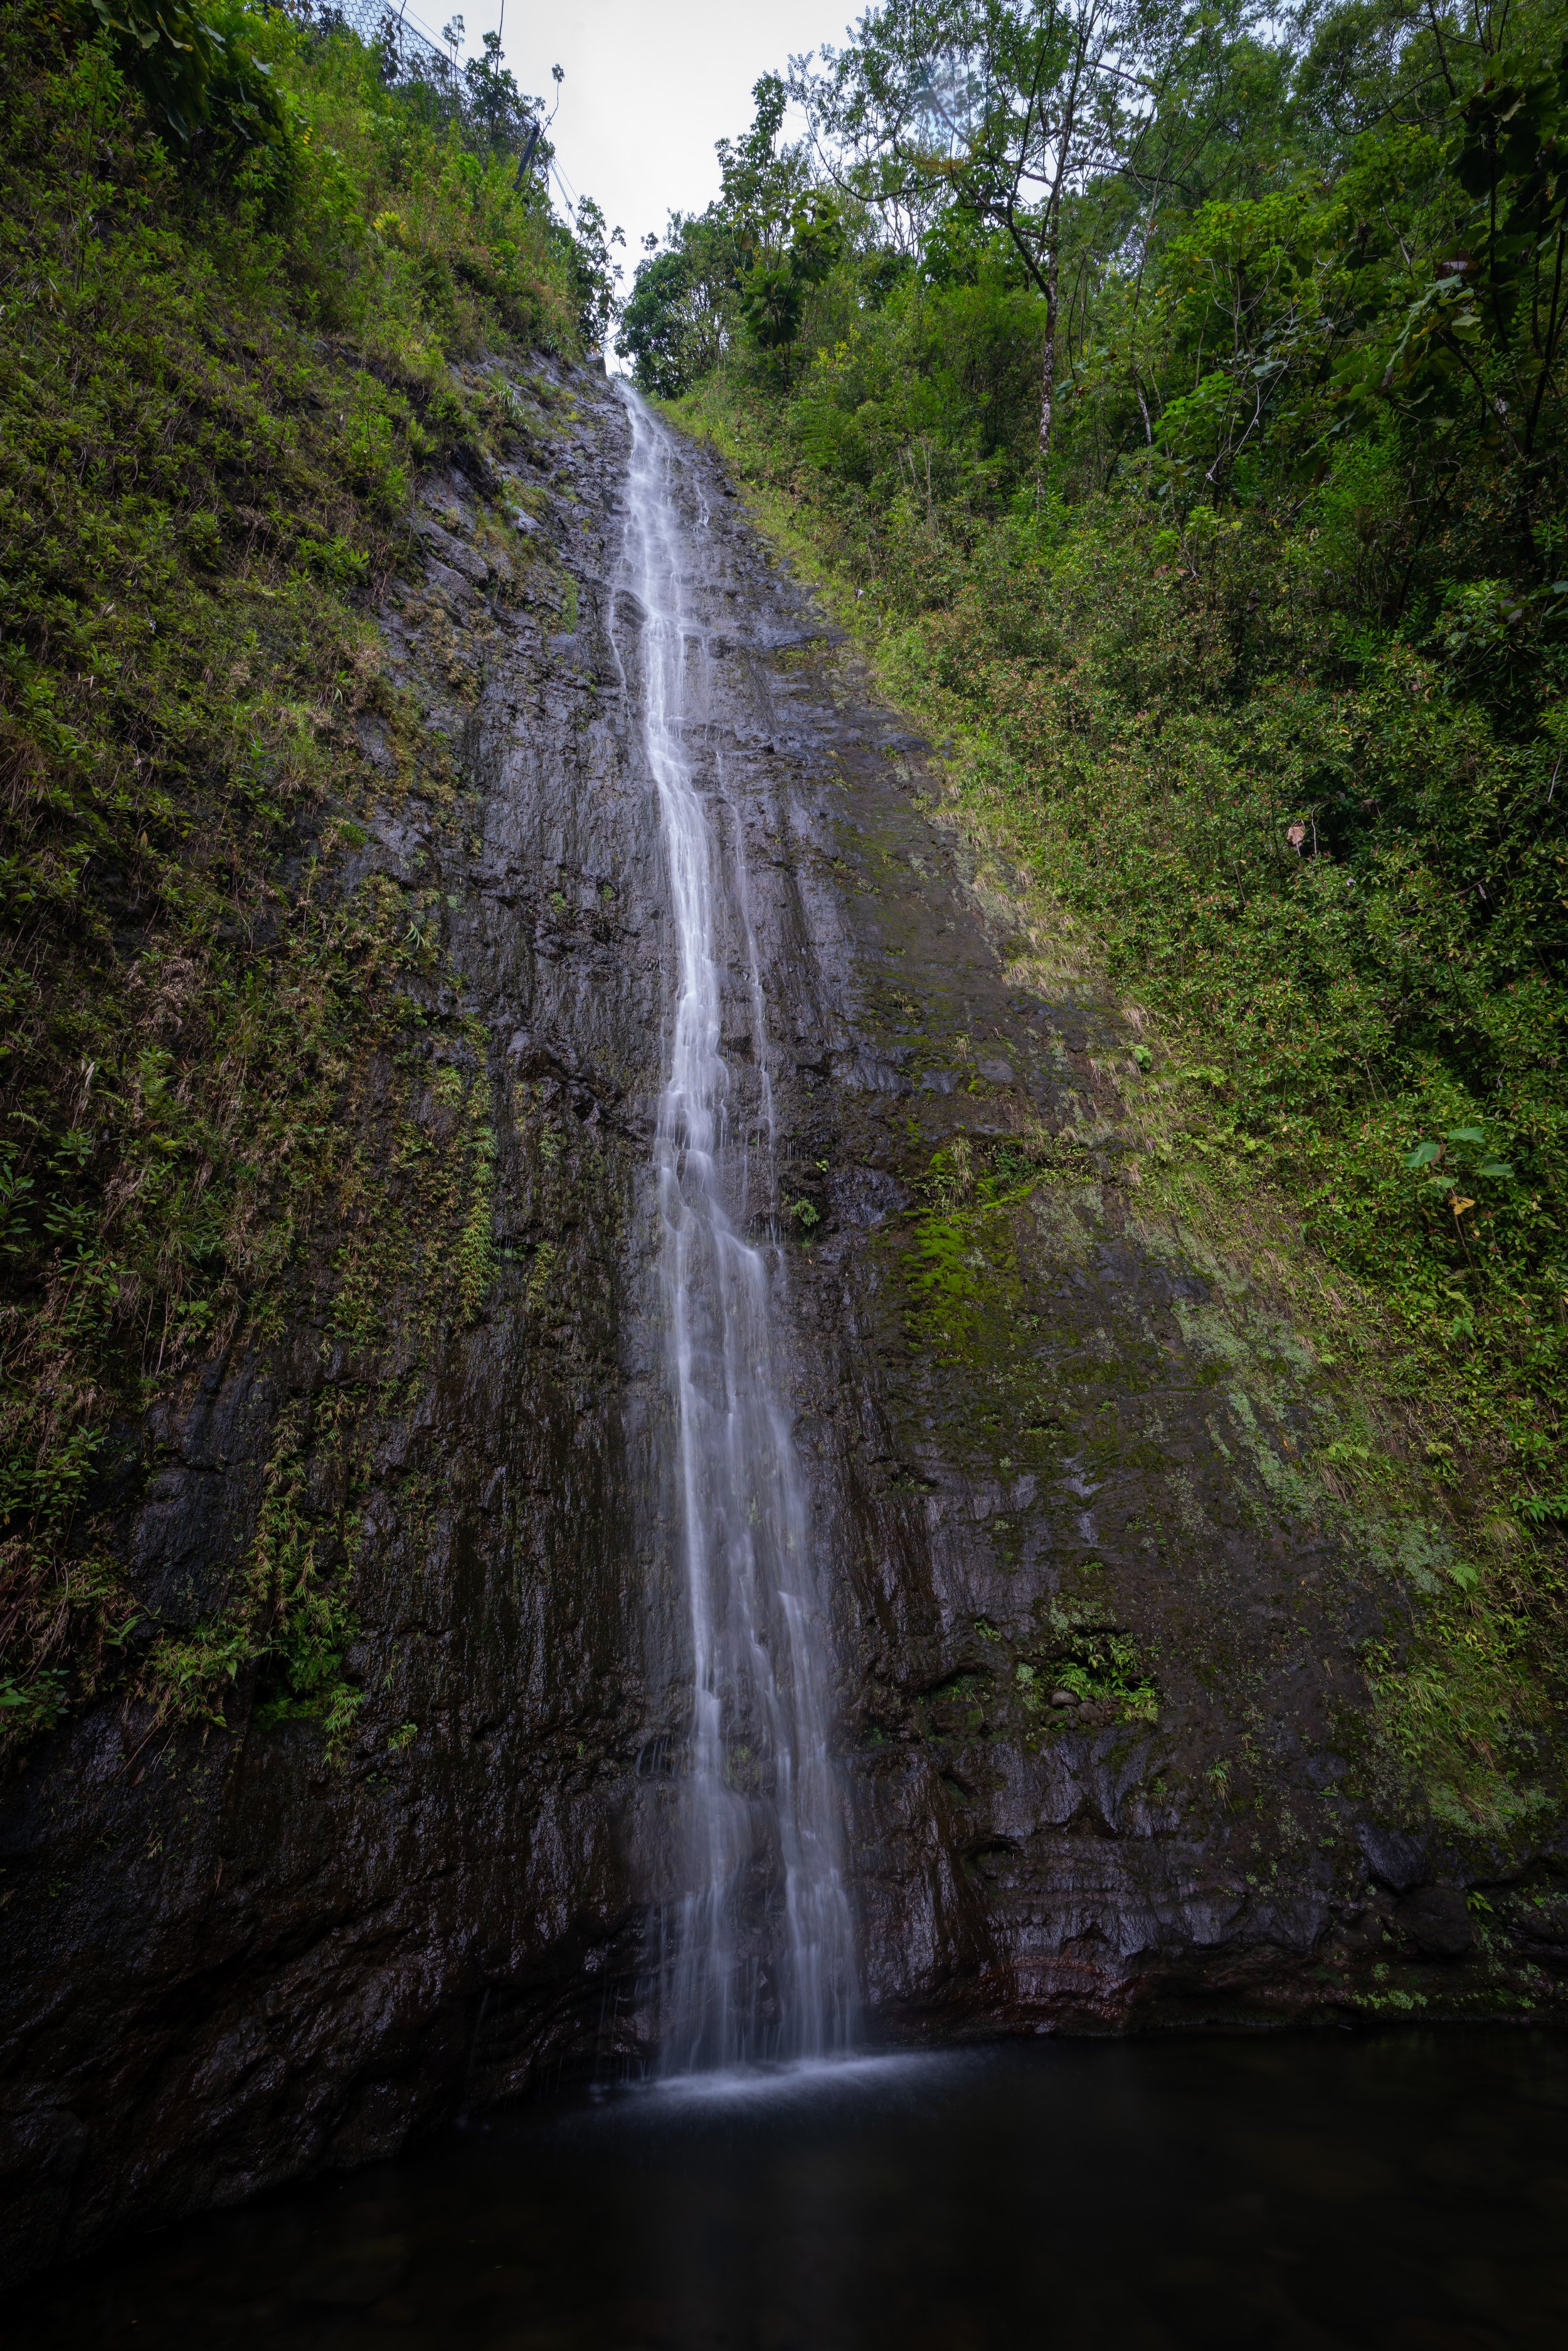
column 1205, row 499
column 222, row 366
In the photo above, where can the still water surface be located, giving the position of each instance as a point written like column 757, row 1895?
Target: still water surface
column 1296, row 2193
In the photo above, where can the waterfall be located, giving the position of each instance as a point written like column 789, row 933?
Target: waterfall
column 755, row 1958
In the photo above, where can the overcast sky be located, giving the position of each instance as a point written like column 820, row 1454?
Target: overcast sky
column 649, row 85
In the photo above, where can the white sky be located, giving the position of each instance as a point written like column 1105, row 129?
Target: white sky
column 649, row 85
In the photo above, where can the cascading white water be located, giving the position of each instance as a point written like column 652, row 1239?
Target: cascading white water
column 756, row 1958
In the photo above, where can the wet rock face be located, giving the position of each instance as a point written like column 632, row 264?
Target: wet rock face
column 1099, row 1630
column 1097, row 1646
column 230, row 1955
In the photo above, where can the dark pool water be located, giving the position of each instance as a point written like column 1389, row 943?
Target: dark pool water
column 1410, row 2193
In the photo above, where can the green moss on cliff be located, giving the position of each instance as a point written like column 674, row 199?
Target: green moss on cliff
column 217, row 380
column 1271, row 1115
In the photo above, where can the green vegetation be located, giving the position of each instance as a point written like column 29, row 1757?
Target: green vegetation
column 1179, row 419
column 962, row 1272
column 236, row 270
column 1104, row 1667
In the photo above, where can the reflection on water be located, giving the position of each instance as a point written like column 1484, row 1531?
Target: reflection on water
column 1299, row 2193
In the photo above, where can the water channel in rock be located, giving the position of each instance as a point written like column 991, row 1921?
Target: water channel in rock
column 754, row 1956
column 1277, row 2193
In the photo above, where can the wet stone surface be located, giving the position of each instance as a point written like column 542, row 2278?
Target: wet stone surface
column 1097, row 1644
column 1099, row 1637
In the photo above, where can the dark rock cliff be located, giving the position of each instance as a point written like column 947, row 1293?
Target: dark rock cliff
column 1101, row 1634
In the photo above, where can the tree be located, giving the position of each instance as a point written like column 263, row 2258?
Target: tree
column 1068, row 126
column 773, row 292
column 748, row 262
column 762, row 183
column 597, row 274
column 787, row 234
column 1511, row 157
column 655, row 323
column 1011, row 107
column 492, row 101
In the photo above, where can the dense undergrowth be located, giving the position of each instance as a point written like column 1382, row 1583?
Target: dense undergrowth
column 223, row 359
column 1261, row 677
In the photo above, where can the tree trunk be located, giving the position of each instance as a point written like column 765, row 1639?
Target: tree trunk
column 1048, row 363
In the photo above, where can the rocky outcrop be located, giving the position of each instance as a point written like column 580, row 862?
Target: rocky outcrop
column 1100, row 1632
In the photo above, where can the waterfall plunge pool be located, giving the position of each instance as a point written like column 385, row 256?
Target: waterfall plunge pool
column 1277, row 2193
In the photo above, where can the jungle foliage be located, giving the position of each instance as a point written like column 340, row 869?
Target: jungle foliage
column 235, row 266
column 1182, row 417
